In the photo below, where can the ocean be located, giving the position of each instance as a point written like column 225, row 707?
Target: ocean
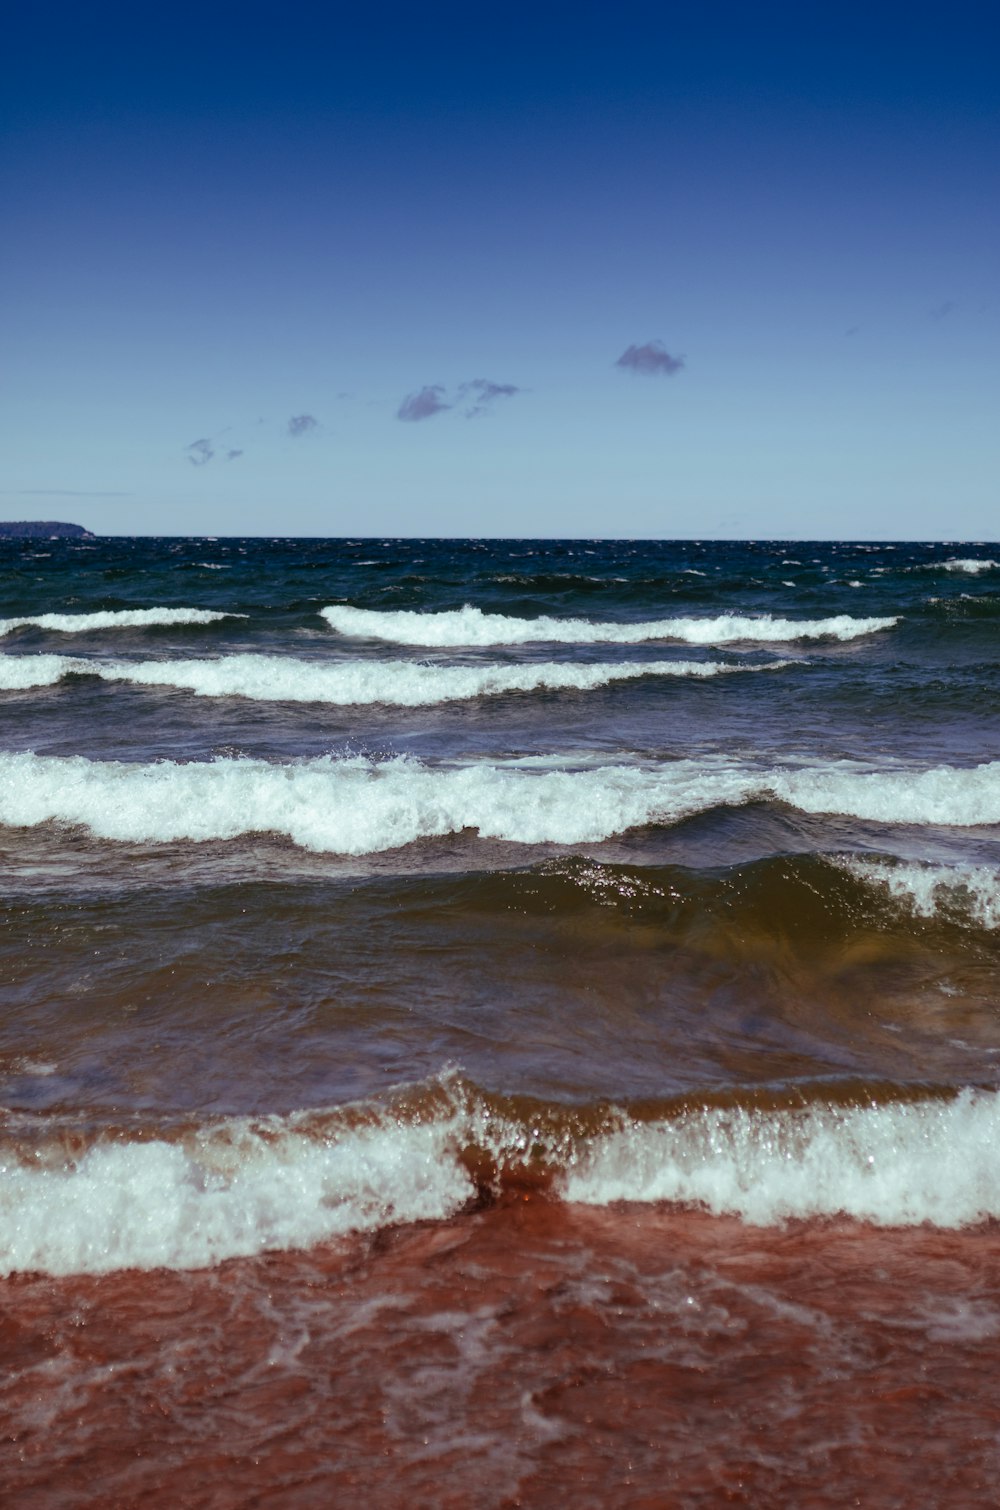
column 497, row 1023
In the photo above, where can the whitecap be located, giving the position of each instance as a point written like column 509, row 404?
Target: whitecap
column 894, row 1165
column 228, row 1191
column 238, row 1187
column 471, row 626
column 117, row 618
column 964, row 891
column 344, row 683
column 357, row 806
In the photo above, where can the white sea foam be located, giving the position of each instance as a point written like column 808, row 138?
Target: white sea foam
column 117, row 618
column 894, row 1165
column 970, row 892
column 471, row 626
column 19, row 672
column 356, row 806
column 271, row 678
column 232, row 1191
column 952, row 796
column 973, row 565
column 349, row 806
column 241, row 1188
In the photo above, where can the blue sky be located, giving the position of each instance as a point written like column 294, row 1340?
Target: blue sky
column 274, row 270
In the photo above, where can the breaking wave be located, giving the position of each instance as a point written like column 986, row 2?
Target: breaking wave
column 355, row 806
column 239, row 1186
column 227, row 1191
column 471, row 626
column 972, row 565
column 895, row 1165
column 117, row 618
column 271, row 678
column 18, row 673
column 960, row 893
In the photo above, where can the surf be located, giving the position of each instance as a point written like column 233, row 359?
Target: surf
column 355, row 805
column 116, row 618
column 273, row 678
column 473, row 626
column 194, row 1197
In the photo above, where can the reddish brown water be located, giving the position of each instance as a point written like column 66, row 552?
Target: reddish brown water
column 524, row 1355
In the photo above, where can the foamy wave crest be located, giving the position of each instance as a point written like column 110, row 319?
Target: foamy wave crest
column 972, row 566
column 244, row 1187
column 355, row 806
column 20, row 672
column 963, row 893
column 471, row 626
column 951, row 796
column 895, row 1165
column 239, row 1189
column 349, row 806
column 117, row 618
column 397, row 683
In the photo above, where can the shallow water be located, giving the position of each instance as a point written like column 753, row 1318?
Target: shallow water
column 516, row 1356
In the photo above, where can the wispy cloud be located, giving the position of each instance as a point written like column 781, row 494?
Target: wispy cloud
column 423, row 405
column 942, row 311
column 232, row 455
column 649, row 360
column 200, row 452
column 483, row 393
column 302, row 424
column 473, row 398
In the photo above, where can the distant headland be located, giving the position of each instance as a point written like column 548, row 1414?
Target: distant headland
column 42, row 529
